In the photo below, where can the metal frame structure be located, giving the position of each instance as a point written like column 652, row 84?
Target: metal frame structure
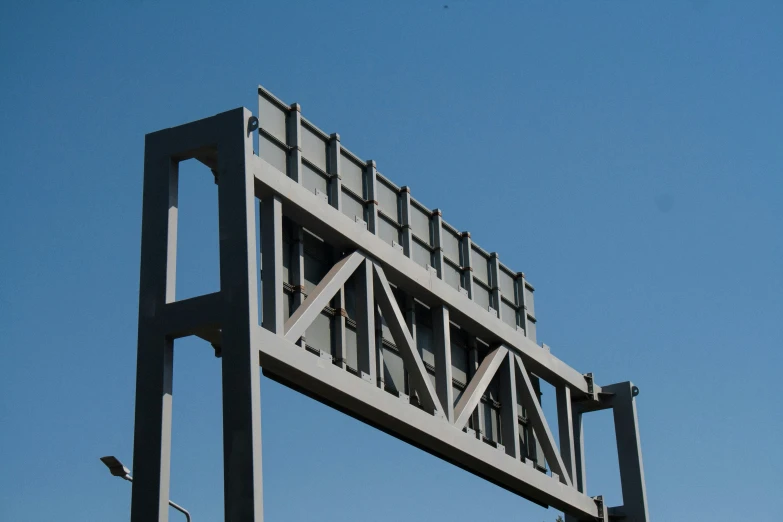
column 384, row 281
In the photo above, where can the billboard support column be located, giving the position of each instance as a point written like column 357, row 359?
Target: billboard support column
column 241, row 377
column 154, row 366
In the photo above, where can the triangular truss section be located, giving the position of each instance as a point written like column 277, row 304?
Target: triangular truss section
column 322, row 295
column 540, row 426
column 394, row 319
column 478, row 386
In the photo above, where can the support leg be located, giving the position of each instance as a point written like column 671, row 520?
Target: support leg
column 238, row 277
column 152, row 431
column 629, row 452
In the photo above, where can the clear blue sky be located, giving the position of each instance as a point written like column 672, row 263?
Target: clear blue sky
column 631, row 149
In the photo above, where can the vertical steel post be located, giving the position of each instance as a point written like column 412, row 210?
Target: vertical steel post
column 579, row 452
column 629, row 451
column 437, row 240
column 565, row 426
column 152, row 431
column 294, row 139
column 494, row 283
column 336, row 200
column 272, row 263
column 473, row 364
column 467, row 263
column 365, row 322
column 508, row 405
column 371, row 180
column 443, row 369
column 405, row 220
column 238, row 277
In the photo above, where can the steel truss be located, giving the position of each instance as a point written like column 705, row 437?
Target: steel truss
column 229, row 319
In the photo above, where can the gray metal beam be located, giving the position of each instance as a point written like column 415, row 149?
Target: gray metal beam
column 579, row 452
column 365, row 322
column 294, row 140
column 540, row 426
column 405, row 215
column 341, row 231
column 272, row 263
column 629, row 452
column 494, row 274
column 371, row 180
column 478, row 385
column 473, row 366
column 410, row 355
column 508, row 405
column 154, row 363
column 242, row 486
column 328, row 383
column 320, row 297
column 192, row 316
column 565, row 425
column 336, row 199
column 443, row 370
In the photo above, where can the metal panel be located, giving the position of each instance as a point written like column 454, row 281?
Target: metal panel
column 352, row 207
column 480, row 266
column 317, row 261
column 393, row 370
column 272, row 153
column 313, row 180
column 314, row 147
column 452, row 275
column 530, row 329
column 271, row 118
column 481, row 296
column 387, row 199
column 388, row 232
column 529, row 303
column 421, row 254
column 420, row 223
column 451, row 245
column 352, row 175
column 506, row 284
column 351, row 358
column 319, row 333
column 459, row 355
column 508, row 313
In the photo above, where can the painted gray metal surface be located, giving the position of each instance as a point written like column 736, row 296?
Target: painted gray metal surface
column 380, row 287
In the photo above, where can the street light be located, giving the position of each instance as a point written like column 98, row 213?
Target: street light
column 118, row 470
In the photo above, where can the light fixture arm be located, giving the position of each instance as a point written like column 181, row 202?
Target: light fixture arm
column 118, row 470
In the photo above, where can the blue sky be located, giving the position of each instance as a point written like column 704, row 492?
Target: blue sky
column 625, row 155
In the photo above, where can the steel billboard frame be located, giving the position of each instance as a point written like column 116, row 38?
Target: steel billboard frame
column 229, row 319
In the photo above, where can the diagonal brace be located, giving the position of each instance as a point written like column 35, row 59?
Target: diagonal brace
column 540, row 426
column 402, row 337
column 478, row 385
column 321, row 296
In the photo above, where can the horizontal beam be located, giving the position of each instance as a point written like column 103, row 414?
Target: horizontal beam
column 309, row 374
column 191, row 316
column 339, row 230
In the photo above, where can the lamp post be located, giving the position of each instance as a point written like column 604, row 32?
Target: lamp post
column 118, row 470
